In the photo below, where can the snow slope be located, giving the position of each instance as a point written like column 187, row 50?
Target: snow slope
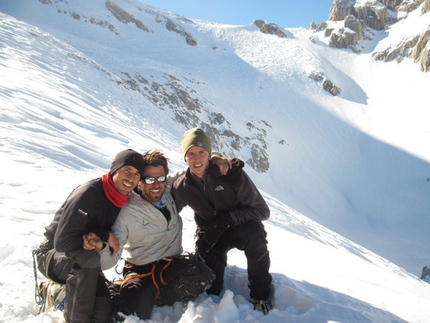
column 63, row 117
column 357, row 163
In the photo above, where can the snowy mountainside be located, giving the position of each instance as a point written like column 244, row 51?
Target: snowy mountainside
column 355, row 163
column 63, row 118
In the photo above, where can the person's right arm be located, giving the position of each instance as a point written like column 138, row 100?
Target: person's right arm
column 73, row 220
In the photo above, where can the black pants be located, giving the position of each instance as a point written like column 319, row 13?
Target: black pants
column 87, row 295
column 249, row 237
column 162, row 283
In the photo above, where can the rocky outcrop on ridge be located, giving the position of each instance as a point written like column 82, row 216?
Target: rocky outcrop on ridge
column 416, row 47
column 269, row 28
column 361, row 16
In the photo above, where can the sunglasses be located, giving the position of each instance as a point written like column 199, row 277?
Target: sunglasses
column 152, row 180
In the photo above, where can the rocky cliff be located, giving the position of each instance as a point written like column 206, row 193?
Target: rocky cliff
column 359, row 18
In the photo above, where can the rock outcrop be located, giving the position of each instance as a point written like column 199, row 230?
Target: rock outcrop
column 425, row 275
column 356, row 19
column 426, row 7
column 330, row 87
column 269, row 28
column 416, row 47
column 361, row 16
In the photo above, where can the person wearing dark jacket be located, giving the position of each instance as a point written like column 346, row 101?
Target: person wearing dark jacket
column 228, row 211
column 81, row 228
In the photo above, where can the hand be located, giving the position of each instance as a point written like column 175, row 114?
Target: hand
column 92, row 242
column 216, row 229
column 223, row 163
column 113, row 243
column 236, row 162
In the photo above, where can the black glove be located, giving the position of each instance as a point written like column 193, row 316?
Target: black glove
column 217, row 228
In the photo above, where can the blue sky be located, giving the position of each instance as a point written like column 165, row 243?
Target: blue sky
column 285, row 13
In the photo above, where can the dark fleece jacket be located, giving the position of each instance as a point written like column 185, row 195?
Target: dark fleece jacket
column 233, row 195
column 87, row 209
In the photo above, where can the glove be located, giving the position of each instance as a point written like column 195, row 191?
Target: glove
column 216, row 229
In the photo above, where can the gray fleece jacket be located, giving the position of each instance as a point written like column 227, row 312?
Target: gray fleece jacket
column 144, row 234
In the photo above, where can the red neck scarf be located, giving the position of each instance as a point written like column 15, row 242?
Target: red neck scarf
column 115, row 197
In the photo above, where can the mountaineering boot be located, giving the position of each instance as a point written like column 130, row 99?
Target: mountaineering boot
column 53, row 295
column 261, row 305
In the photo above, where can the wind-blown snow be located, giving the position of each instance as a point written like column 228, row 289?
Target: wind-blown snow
column 357, row 164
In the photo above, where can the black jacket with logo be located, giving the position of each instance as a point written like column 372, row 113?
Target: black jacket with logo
column 218, row 195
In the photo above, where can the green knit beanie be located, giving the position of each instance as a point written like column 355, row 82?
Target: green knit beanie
column 195, row 137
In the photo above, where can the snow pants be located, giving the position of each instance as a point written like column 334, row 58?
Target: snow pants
column 161, row 283
column 249, row 237
column 87, row 296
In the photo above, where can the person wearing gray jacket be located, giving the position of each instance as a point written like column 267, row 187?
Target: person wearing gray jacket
column 149, row 230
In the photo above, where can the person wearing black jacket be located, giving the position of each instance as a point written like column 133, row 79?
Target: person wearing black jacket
column 228, row 211
column 80, row 229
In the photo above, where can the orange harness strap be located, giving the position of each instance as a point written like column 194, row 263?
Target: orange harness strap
column 126, row 279
column 152, row 274
column 161, row 272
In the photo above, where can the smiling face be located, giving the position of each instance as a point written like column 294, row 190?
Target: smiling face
column 153, row 192
column 126, row 179
column 197, row 159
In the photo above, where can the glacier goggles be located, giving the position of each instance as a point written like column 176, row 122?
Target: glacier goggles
column 152, row 180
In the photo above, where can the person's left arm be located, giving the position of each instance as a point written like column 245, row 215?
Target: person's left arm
column 252, row 205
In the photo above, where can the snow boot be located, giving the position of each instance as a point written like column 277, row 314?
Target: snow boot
column 261, row 305
column 53, row 296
